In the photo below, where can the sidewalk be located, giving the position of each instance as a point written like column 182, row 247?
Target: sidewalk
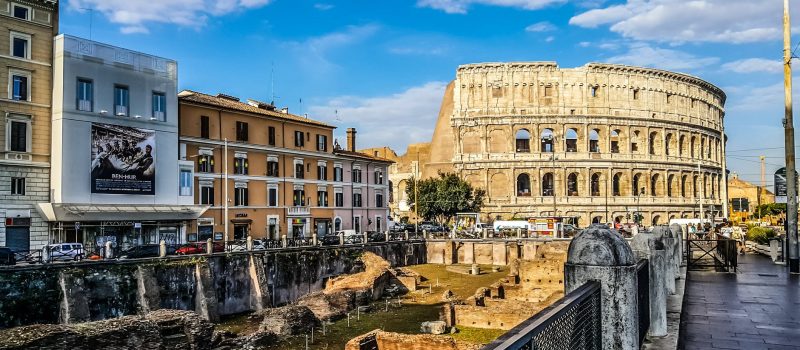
column 756, row 308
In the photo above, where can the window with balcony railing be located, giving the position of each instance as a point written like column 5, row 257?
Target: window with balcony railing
column 299, row 198
column 240, row 166
column 322, row 198
column 205, row 164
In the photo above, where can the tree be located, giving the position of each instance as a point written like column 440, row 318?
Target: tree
column 441, row 198
column 770, row 209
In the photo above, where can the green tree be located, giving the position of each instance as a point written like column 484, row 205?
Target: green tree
column 441, row 198
column 770, row 209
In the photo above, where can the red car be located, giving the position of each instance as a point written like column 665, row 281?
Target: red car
column 199, row 248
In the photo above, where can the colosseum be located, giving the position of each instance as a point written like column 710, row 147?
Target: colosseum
column 598, row 143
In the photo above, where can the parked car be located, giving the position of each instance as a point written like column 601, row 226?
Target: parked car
column 7, row 256
column 141, row 251
column 64, row 252
column 191, row 248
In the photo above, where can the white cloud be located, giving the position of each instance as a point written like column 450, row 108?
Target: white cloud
column 313, row 52
column 395, row 120
column 678, row 21
column 754, row 65
column 550, row 39
column 544, row 26
column 135, row 16
column 323, row 7
column 645, row 55
column 462, row 6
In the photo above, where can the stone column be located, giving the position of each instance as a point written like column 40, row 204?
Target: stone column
column 677, row 250
column 601, row 255
column 650, row 246
column 663, row 232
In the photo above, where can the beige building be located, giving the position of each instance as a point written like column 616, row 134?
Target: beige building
column 745, row 197
column 27, row 28
column 599, row 142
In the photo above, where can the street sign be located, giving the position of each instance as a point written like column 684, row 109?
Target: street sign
column 780, row 185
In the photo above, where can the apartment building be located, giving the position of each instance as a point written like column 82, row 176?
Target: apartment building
column 281, row 173
column 27, row 28
column 115, row 173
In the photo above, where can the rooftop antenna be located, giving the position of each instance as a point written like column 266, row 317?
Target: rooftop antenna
column 91, row 19
column 272, row 82
column 337, row 115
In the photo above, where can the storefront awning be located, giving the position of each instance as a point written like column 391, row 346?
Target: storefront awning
column 241, row 221
column 109, row 212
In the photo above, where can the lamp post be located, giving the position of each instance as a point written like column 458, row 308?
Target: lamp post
column 225, row 188
column 553, row 159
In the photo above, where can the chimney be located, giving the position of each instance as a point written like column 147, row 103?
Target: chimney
column 351, row 139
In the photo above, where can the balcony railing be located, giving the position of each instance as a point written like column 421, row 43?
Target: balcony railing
column 299, row 210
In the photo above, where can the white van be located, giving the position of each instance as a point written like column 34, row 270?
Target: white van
column 500, row 225
column 63, row 252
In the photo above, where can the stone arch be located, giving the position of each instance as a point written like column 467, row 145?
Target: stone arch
column 681, row 146
column 692, row 146
column 594, row 140
column 548, row 140
column 523, row 185
column 695, row 187
column 668, row 139
column 594, row 184
column 615, row 140
column 474, row 180
column 571, row 140
column 498, row 186
column 635, row 142
column 684, row 179
column 616, row 184
column 656, row 189
column 656, row 220
column 523, row 141
column 637, row 185
column 470, row 143
column 654, row 143
column 672, row 186
column 548, row 184
column 572, row 184
column 597, row 219
column 401, row 190
column 498, row 141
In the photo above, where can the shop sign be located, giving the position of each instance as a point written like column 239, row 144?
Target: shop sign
column 298, row 221
column 137, row 225
column 116, row 223
column 241, row 215
column 217, row 236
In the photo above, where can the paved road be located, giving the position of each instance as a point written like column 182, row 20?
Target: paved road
column 757, row 308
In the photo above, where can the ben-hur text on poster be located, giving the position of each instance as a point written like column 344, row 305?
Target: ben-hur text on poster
column 123, row 160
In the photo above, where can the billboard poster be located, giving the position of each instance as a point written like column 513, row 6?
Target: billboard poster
column 123, row 160
column 780, row 185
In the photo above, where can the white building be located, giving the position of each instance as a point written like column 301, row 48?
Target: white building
column 115, row 170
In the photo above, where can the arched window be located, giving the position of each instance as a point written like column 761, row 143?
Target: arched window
column 571, row 140
column 547, row 140
column 337, row 225
column 654, row 185
column 597, row 219
column 670, row 184
column 656, row 220
column 615, row 141
column 523, row 141
column 636, row 185
column 635, row 142
column 594, row 141
column 681, row 146
column 547, row 184
column 595, row 184
column 692, row 144
column 653, row 143
column 683, row 186
column 615, row 188
column 695, row 190
column 572, row 184
column 702, row 147
column 667, row 144
column 523, row 185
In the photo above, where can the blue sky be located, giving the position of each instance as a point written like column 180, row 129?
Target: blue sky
column 383, row 64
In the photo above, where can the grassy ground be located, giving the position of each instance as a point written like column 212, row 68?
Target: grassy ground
column 416, row 307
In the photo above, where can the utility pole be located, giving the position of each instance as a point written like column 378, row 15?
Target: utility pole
column 763, row 183
column 225, row 188
column 788, row 125
column 702, row 193
column 724, row 184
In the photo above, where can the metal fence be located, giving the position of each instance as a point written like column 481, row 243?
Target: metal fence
column 643, row 295
column 574, row 322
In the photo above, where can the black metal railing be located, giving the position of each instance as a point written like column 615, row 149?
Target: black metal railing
column 236, row 246
column 643, row 295
column 354, row 239
column 573, row 322
column 272, row 243
column 728, row 252
column 299, row 242
column 713, row 251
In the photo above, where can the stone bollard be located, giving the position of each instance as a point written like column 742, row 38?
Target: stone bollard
column 249, row 243
column 366, row 238
column 386, row 236
column 665, row 234
column 650, row 246
column 600, row 255
column 284, row 241
column 425, row 234
column 405, row 235
column 341, row 239
column 314, row 240
column 485, row 233
column 109, row 251
column 209, row 246
column 162, row 249
column 519, row 233
column 677, row 248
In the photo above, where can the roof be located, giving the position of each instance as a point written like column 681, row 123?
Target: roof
column 362, row 156
column 223, row 102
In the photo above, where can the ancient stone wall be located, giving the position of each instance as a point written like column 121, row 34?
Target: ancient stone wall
column 216, row 285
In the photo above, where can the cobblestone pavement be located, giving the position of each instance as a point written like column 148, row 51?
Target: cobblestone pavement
column 756, row 308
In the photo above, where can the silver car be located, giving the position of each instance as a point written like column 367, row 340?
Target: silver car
column 64, row 252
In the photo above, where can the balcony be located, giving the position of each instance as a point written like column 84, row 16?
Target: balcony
column 299, row 211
